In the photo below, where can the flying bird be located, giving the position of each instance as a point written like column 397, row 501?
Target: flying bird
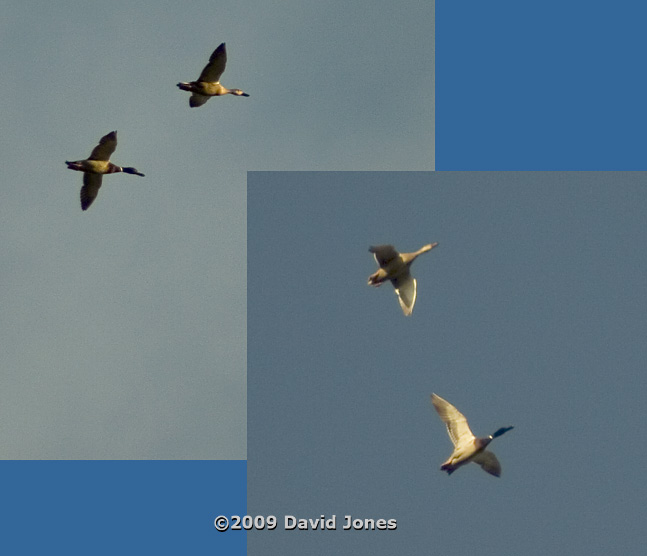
column 395, row 267
column 208, row 84
column 466, row 446
column 97, row 164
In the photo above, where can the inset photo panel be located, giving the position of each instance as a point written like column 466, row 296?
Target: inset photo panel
column 446, row 362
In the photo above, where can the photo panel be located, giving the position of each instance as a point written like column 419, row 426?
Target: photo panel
column 529, row 314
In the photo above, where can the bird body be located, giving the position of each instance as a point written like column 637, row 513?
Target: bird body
column 394, row 267
column 467, row 447
column 208, row 84
column 96, row 165
column 207, row 89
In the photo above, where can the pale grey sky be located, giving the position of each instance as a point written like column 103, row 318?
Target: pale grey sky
column 125, row 326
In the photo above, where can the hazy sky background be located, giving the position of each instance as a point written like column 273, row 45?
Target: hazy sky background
column 125, row 327
column 530, row 312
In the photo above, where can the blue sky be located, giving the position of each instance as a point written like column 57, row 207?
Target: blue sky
column 530, row 312
column 125, row 326
column 552, row 85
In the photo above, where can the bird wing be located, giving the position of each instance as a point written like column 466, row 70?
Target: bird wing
column 197, row 100
column 213, row 70
column 105, row 148
column 405, row 288
column 488, row 462
column 457, row 427
column 384, row 254
column 90, row 189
